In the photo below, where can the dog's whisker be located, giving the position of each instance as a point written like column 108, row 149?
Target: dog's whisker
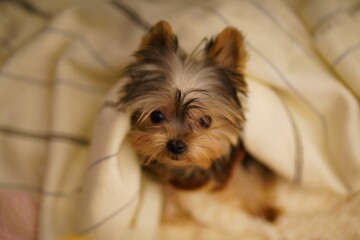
column 198, row 49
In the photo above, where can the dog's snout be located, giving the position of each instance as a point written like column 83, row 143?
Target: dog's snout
column 176, row 146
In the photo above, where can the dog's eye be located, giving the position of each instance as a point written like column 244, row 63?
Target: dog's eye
column 157, row 117
column 205, row 122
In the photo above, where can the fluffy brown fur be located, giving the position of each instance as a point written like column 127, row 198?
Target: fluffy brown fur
column 186, row 113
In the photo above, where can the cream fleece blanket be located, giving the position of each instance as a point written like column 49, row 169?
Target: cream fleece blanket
column 67, row 169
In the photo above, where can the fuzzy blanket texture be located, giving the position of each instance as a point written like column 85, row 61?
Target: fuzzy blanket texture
column 67, row 169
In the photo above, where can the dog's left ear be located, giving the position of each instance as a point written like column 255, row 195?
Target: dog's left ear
column 227, row 50
column 161, row 37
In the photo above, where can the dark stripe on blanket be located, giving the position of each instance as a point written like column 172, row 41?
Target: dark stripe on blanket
column 322, row 20
column 28, row 7
column 299, row 146
column 279, row 25
column 44, row 136
column 100, row 160
column 134, row 16
column 40, row 82
column 214, row 11
column 87, row 46
column 47, row 83
column 299, row 160
column 110, row 216
column 38, row 190
column 345, row 53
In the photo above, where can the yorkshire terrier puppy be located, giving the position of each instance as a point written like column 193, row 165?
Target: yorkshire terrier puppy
column 187, row 116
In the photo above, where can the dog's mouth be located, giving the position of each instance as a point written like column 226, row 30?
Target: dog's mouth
column 176, row 160
column 175, row 157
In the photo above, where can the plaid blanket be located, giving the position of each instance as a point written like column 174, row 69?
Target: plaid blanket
column 67, row 169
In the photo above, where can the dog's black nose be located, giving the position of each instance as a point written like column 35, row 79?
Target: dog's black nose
column 176, row 146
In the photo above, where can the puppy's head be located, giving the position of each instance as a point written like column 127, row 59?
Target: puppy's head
column 185, row 110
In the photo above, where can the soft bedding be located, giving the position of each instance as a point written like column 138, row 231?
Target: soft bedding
column 67, row 169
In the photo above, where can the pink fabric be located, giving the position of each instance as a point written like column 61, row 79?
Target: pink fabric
column 18, row 216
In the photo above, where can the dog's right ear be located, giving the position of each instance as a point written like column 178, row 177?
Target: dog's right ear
column 227, row 50
column 159, row 38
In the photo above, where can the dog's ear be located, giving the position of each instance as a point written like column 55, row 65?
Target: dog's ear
column 227, row 50
column 160, row 37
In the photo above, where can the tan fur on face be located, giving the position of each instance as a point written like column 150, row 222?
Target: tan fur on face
column 205, row 145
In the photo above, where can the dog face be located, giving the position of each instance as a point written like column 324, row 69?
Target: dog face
column 185, row 109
